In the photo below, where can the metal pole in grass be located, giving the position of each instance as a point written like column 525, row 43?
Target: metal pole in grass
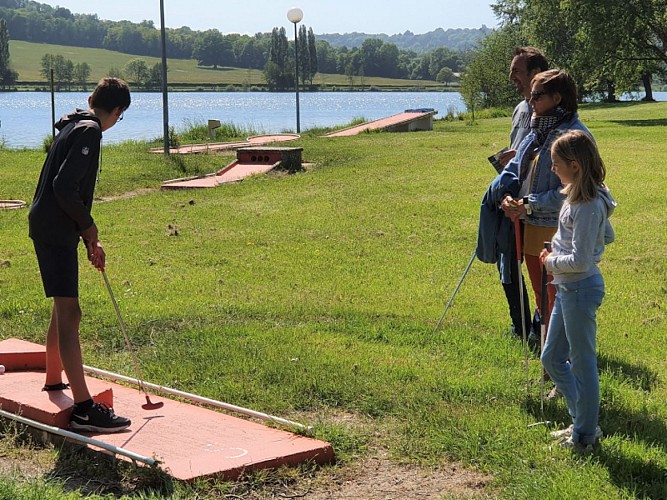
column 78, row 437
column 295, row 15
column 53, row 106
column 451, row 299
column 199, row 399
column 165, row 92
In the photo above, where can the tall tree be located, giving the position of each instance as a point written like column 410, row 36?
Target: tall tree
column 213, row 49
column 155, row 78
column 608, row 45
column 7, row 75
column 312, row 54
column 63, row 70
column 81, row 74
column 253, row 53
column 136, row 71
column 304, row 55
column 326, row 57
column 279, row 74
column 485, row 82
column 4, row 47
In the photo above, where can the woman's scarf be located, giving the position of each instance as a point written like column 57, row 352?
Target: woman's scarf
column 541, row 125
column 544, row 124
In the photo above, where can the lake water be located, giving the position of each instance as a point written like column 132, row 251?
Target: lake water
column 25, row 117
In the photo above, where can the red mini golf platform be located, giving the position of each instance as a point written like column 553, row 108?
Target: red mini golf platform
column 408, row 121
column 249, row 161
column 189, row 441
column 216, row 147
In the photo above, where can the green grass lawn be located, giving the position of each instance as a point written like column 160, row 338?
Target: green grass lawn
column 26, row 59
column 317, row 294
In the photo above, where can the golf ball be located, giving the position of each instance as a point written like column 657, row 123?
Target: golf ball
column 2, row 369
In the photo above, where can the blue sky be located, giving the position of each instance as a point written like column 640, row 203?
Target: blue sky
column 324, row 16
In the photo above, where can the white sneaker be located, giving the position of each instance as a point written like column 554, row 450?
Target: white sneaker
column 580, row 448
column 553, row 394
column 567, row 433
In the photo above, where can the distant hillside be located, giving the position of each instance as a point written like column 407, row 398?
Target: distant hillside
column 183, row 73
column 454, row 39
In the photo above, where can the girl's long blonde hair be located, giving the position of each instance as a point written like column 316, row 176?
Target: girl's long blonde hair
column 578, row 146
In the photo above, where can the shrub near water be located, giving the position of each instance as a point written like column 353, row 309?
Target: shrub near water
column 315, row 295
column 196, row 132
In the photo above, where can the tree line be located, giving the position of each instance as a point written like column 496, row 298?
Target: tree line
column 609, row 46
column 35, row 22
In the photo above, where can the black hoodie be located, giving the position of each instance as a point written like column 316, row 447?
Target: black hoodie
column 63, row 200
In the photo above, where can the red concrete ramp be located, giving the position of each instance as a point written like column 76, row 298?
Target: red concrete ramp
column 249, row 161
column 191, row 441
column 408, row 121
column 233, row 172
column 215, row 147
column 188, row 441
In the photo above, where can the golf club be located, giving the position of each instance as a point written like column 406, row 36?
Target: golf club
column 472, row 258
column 522, row 300
column 543, row 322
column 149, row 404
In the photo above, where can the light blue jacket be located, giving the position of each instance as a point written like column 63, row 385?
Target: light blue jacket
column 545, row 197
column 583, row 232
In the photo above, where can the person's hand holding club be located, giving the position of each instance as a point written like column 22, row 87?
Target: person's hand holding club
column 94, row 249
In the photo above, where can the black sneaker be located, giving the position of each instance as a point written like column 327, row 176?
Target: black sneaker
column 98, row 418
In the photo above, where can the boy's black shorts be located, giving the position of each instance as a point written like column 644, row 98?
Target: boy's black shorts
column 59, row 267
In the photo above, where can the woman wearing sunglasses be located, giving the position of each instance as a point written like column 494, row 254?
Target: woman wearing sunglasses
column 532, row 190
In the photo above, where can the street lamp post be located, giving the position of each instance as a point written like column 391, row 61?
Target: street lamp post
column 165, row 92
column 295, row 15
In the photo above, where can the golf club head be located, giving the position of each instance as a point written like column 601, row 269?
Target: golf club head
column 149, row 405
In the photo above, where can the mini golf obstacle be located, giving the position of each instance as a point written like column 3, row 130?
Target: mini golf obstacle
column 185, row 440
column 249, row 161
column 408, row 121
column 217, row 147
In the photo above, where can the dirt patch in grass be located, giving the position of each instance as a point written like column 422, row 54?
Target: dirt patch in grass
column 379, row 478
column 125, row 196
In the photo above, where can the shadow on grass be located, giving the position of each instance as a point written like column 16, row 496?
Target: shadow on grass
column 88, row 472
column 660, row 122
column 614, row 105
column 630, row 468
column 638, row 376
column 636, row 475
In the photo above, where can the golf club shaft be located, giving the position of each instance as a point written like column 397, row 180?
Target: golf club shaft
column 122, row 328
column 544, row 305
column 522, row 299
column 451, row 299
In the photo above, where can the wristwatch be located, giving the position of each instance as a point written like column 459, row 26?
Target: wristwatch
column 529, row 210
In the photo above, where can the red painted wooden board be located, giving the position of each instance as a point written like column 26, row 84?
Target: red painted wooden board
column 382, row 123
column 189, row 441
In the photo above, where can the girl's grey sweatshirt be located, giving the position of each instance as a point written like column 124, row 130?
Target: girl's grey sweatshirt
column 583, row 232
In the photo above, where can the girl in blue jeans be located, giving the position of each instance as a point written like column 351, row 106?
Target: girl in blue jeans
column 569, row 354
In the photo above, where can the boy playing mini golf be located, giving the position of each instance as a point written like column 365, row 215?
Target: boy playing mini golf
column 59, row 217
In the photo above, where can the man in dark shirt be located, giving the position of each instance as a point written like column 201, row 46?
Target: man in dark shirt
column 59, row 217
